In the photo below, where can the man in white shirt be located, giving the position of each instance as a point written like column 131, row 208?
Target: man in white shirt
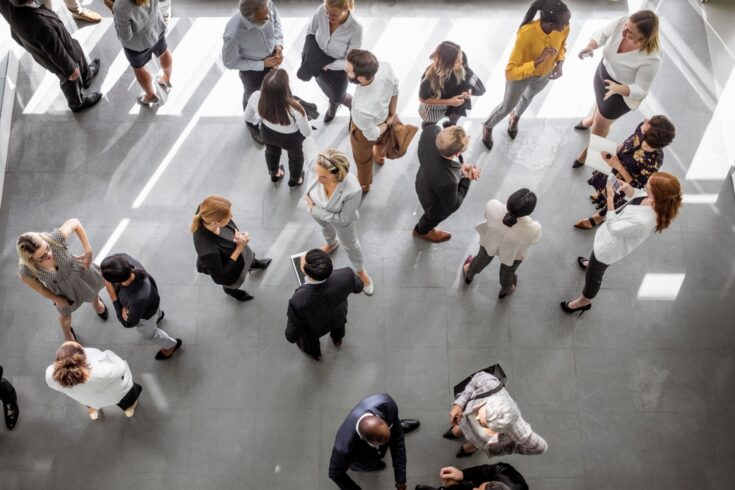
column 373, row 110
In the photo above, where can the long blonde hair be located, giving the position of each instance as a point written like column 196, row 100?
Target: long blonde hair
column 646, row 21
column 212, row 208
column 335, row 162
column 28, row 244
column 443, row 60
column 340, row 4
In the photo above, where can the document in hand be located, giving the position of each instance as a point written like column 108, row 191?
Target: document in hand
column 594, row 157
column 296, row 262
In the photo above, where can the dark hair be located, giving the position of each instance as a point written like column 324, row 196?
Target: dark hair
column 660, row 133
column 276, row 100
column 117, row 269
column 496, row 485
column 646, row 21
column 442, row 67
column 550, row 11
column 317, row 264
column 364, row 63
column 521, row 203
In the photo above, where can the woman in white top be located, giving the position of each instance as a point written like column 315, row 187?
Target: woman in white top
column 630, row 62
column 508, row 231
column 650, row 209
column 283, row 125
column 94, row 378
column 333, row 198
column 336, row 32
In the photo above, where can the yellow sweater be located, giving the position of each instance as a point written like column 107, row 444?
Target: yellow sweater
column 530, row 42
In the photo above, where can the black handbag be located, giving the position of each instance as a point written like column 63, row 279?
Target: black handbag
column 473, row 82
column 494, row 370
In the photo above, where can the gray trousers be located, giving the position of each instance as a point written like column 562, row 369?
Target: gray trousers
column 348, row 236
column 506, row 275
column 518, row 95
column 148, row 330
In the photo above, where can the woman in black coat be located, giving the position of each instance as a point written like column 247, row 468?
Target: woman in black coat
column 222, row 250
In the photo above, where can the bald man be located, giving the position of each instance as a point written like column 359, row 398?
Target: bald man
column 442, row 180
column 364, row 438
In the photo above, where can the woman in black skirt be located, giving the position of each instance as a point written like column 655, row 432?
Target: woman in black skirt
column 630, row 62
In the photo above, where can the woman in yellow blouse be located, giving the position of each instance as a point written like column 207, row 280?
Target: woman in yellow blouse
column 536, row 58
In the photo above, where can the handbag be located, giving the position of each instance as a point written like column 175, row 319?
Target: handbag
column 494, row 370
column 473, row 81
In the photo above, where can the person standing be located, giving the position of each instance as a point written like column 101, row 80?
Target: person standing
column 47, row 266
column 537, row 57
column 441, row 181
column 283, row 126
column 134, row 294
column 222, row 249
column 336, row 32
column 444, row 90
column 499, row 476
column 77, row 11
column 333, row 199
column 625, row 229
column 631, row 59
column 40, row 32
column 253, row 45
column 363, row 440
column 319, row 306
column 142, row 31
column 373, row 110
column 507, row 232
column 10, row 402
column 94, row 378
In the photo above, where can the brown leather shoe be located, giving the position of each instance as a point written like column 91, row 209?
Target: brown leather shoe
column 487, row 137
column 433, row 236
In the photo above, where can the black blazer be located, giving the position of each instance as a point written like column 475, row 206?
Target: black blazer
column 314, row 310
column 213, row 256
column 350, row 448
column 438, row 181
column 500, row 472
column 313, row 59
column 43, row 35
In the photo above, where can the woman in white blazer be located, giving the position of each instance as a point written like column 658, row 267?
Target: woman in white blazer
column 508, row 231
column 94, row 378
column 333, row 197
column 631, row 59
column 625, row 229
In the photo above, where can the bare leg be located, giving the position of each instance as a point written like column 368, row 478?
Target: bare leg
column 98, row 305
column 65, row 321
column 579, row 302
column 456, row 431
column 364, row 277
column 146, row 81
column 469, row 447
column 167, row 62
column 600, row 127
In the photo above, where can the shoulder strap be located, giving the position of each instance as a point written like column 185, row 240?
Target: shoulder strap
column 491, row 392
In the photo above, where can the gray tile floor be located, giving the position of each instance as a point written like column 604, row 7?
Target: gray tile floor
column 634, row 394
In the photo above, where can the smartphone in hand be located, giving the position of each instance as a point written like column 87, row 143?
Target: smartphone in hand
column 614, row 182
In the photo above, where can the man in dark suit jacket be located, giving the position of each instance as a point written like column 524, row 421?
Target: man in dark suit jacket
column 441, row 182
column 364, row 437
column 41, row 33
column 319, row 306
column 500, row 476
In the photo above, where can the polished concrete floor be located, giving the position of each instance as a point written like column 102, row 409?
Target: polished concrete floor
column 637, row 393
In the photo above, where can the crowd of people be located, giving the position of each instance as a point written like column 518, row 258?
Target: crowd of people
column 632, row 200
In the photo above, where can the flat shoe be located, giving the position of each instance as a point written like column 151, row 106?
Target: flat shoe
column 369, row 289
column 146, row 103
column 449, row 434
column 162, row 357
column 583, row 262
column 464, row 454
column 586, row 224
column 165, row 86
column 577, row 164
column 580, row 126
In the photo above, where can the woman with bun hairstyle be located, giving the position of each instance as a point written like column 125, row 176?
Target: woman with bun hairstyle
column 508, row 231
column 648, row 210
column 94, row 378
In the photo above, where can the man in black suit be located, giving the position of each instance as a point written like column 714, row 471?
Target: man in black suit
column 365, row 436
column 441, row 182
column 500, row 476
column 41, row 33
column 319, row 307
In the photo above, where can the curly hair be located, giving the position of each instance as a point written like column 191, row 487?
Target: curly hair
column 660, row 133
column 71, row 367
column 667, row 198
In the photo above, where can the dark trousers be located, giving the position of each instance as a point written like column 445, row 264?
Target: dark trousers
column 130, row 397
column 433, row 214
column 333, row 83
column 506, row 275
column 72, row 90
column 251, row 81
column 593, row 277
column 275, row 143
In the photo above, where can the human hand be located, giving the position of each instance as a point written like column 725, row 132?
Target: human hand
column 610, row 193
column 124, row 313
column 451, row 473
column 309, row 202
column 62, row 301
column 545, row 54
column 586, row 53
column 467, row 93
column 611, row 160
column 457, row 100
column 391, row 119
column 241, row 239
column 272, row 61
column 612, row 88
column 85, row 259
column 75, row 74
column 556, row 72
column 325, row 68
column 455, row 415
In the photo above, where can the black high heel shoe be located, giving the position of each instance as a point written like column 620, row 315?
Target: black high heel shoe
column 580, row 126
column 449, row 434
column 276, row 178
column 464, row 454
column 581, row 261
column 297, row 183
column 581, row 309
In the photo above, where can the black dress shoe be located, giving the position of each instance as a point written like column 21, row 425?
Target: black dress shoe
column 11, row 414
column 331, row 112
column 258, row 264
column 449, row 434
column 464, row 454
column 255, row 133
column 94, row 69
column 487, row 137
column 158, row 320
column 88, row 101
column 409, row 425
column 238, row 294
column 424, row 487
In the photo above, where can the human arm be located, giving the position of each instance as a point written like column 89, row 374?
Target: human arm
column 339, row 463
column 295, row 324
column 451, row 195
column 212, row 263
column 614, row 162
column 75, row 226
column 601, row 37
column 644, row 77
column 354, row 42
column 251, row 109
column 38, row 287
column 231, row 57
column 347, row 213
column 302, row 123
column 398, row 451
column 622, row 224
column 123, row 23
column 480, row 382
column 557, row 71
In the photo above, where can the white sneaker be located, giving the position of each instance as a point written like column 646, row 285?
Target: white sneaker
column 369, row 289
column 131, row 411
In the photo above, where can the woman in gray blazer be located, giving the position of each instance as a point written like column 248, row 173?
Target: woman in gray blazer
column 333, row 198
column 142, row 31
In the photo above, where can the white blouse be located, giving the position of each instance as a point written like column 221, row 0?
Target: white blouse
column 299, row 122
column 507, row 243
column 345, row 37
column 623, row 232
column 109, row 380
column 371, row 102
column 636, row 69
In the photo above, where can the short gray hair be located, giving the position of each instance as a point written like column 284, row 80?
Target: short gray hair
column 249, row 7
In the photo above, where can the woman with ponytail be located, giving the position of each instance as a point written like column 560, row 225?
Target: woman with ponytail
column 650, row 209
column 536, row 58
column 508, row 231
column 94, row 378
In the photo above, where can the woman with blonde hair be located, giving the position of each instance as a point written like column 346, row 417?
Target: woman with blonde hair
column 444, row 91
column 333, row 198
column 222, row 249
column 631, row 59
column 48, row 266
column 649, row 210
column 94, row 378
